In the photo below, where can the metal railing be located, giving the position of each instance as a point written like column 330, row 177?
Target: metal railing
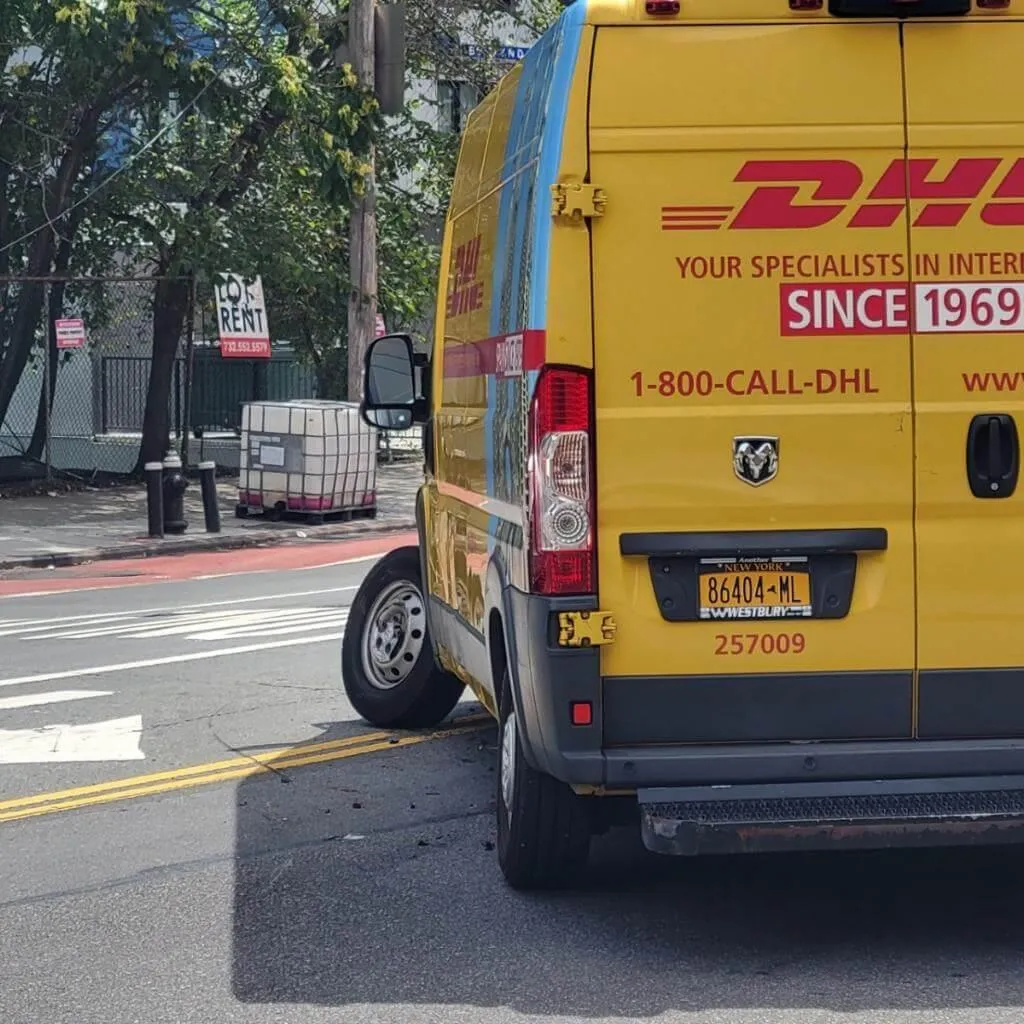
column 219, row 390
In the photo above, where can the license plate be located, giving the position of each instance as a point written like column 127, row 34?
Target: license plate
column 773, row 589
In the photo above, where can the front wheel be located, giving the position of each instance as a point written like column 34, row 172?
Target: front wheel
column 387, row 666
column 543, row 827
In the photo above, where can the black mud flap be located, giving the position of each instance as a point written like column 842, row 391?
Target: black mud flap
column 854, row 815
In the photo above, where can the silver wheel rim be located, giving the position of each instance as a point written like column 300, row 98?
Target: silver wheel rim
column 393, row 637
column 508, row 763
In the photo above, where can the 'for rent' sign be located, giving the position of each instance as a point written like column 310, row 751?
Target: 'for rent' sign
column 242, row 318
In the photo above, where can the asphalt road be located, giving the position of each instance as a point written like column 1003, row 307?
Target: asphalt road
column 364, row 888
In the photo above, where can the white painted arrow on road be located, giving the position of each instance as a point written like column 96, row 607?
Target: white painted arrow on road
column 115, row 740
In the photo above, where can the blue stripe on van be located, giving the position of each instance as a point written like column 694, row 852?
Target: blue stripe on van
column 502, row 252
column 532, row 154
column 521, row 261
column 567, row 36
column 502, row 261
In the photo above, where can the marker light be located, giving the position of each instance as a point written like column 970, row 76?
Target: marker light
column 581, row 712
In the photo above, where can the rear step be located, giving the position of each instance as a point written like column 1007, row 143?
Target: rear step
column 864, row 815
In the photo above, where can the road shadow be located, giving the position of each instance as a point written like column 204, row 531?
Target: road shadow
column 373, row 881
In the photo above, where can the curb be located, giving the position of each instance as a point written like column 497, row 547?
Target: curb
column 146, row 548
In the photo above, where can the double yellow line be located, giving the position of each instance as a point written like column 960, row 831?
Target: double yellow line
column 224, row 771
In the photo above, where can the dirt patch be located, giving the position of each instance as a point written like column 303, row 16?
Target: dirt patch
column 61, row 484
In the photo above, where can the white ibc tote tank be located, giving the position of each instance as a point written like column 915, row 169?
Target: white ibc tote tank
column 307, row 456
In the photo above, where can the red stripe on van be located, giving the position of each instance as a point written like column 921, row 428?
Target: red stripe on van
column 508, row 355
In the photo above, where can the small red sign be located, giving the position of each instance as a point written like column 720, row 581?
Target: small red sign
column 70, row 333
column 245, row 348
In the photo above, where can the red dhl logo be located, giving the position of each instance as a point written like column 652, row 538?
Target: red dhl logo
column 467, row 294
column 836, row 186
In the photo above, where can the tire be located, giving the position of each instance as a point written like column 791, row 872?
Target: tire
column 387, row 665
column 543, row 826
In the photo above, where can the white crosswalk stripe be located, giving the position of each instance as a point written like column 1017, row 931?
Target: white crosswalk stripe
column 207, row 625
column 119, row 739
column 32, row 700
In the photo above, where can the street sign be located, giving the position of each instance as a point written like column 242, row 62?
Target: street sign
column 507, row 54
column 70, row 333
column 242, row 318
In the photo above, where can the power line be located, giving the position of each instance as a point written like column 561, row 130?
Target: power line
column 51, row 222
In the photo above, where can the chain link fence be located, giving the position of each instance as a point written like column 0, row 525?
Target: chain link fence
column 74, row 374
column 53, row 335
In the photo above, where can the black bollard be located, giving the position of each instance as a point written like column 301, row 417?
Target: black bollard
column 208, row 483
column 174, row 495
column 155, row 498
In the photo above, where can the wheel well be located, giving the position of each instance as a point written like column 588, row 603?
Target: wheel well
column 498, row 652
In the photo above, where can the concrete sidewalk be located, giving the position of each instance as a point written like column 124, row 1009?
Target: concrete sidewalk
column 105, row 523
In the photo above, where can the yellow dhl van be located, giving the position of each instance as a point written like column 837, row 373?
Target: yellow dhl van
column 721, row 516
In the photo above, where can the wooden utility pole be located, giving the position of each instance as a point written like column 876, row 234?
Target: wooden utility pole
column 362, row 244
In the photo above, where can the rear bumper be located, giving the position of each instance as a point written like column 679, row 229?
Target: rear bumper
column 822, row 815
column 660, row 767
column 668, row 776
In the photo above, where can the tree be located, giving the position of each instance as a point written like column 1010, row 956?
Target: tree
column 70, row 72
column 211, row 195
column 148, row 122
column 183, row 138
column 295, row 235
column 415, row 164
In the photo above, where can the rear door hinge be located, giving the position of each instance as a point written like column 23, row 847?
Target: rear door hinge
column 585, row 629
column 577, row 201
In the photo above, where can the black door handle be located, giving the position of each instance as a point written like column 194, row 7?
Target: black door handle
column 993, row 455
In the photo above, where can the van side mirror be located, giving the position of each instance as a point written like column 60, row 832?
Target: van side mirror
column 391, row 399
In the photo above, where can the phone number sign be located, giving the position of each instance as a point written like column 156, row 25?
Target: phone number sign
column 242, row 318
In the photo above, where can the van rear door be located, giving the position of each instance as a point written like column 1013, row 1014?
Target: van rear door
column 966, row 186
column 752, row 374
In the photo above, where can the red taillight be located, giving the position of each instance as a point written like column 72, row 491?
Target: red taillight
column 561, row 484
column 662, row 6
column 561, row 401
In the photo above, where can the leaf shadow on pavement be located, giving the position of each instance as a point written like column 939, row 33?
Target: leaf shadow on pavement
column 373, row 881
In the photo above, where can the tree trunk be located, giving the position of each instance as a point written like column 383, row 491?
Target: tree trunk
column 6, row 232
column 332, row 375
column 170, row 308
column 26, row 320
column 56, row 311
column 39, row 264
column 56, row 306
